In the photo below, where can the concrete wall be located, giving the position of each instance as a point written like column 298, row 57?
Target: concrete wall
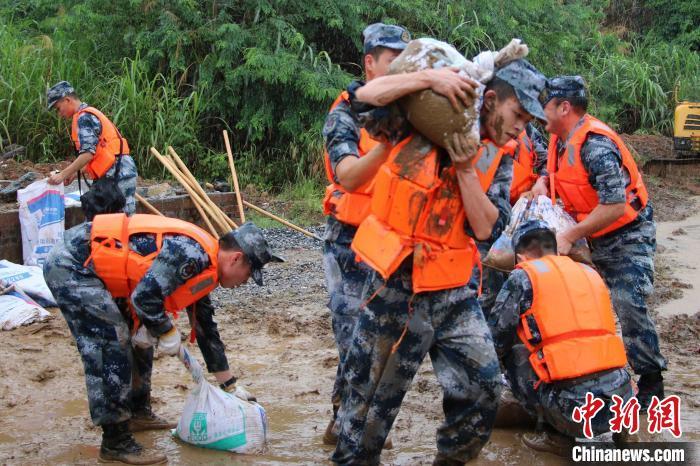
column 178, row 207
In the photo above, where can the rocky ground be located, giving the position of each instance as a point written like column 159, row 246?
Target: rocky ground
column 280, row 344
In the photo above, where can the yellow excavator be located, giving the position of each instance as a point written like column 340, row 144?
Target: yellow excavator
column 686, row 129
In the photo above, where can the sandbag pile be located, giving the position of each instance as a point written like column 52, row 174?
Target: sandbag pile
column 501, row 256
column 432, row 114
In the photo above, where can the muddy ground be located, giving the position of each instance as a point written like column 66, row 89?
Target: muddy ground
column 279, row 343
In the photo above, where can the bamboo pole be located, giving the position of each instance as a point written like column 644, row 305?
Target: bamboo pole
column 148, row 205
column 187, row 174
column 201, row 202
column 281, row 220
column 191, row 192
column 234, row 176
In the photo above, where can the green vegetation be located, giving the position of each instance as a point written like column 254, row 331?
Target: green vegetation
column 177, row 72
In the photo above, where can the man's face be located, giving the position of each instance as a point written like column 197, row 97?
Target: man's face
column 504, row 119
column 234, row 269
column 380, row 66
column 65, row 107
column 555, row 113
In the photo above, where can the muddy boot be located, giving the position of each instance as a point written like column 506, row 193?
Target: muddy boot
column 147, row 420
column 511, row 413
column 119, row 446
column 550, row 442
column 445, row 461
column 650, row 385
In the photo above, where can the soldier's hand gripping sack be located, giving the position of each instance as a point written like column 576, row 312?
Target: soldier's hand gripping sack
column 432, row 114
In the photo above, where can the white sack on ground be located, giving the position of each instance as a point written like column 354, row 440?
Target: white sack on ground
column 30, row 279
column 17, row 309
column 215, row 419
column 42, row 217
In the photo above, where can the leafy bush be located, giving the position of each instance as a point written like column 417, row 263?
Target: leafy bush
column 179, row 71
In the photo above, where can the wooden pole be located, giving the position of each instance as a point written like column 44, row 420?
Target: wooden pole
column 148, row 205
column 187, row 174
column 281, row 220
column 191, row 192
column 234, row 176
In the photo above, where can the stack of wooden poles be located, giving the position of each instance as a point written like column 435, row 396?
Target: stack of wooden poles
column 216, row 220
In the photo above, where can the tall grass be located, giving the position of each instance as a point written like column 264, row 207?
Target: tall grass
column 149, row 111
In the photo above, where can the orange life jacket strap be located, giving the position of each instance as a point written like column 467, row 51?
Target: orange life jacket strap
column 397, row 343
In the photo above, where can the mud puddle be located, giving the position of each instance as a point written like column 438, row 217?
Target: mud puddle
column 279, row 344
column 681, row 244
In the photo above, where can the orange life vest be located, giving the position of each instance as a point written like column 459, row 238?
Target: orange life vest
column 569, row 179
column 417, row 209
column 349, row 207
column 488, row 159
column 572, row 313
column 111, row 143
column 121, row 269
column 524, row 175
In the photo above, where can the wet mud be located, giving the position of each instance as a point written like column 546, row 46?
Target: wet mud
column 279, row 344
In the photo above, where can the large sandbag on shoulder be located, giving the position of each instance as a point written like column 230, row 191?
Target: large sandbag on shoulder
column 431, row 113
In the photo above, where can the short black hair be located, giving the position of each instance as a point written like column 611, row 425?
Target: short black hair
column 72, row 94
column 502, row 89
column 537, row 243
column 228, row 242
column 579, row 103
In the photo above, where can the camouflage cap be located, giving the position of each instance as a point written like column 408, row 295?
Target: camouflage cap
column 57, row 92
column 563, row 86
column 385, row 35
column 528, row 84
column 254, row 245
column 527, row 227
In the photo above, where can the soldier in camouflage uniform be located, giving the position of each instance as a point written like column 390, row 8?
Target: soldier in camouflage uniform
column 349, row 169
column 624, row 256
column 447, row 323
column 554, row 402
column 63, row 98
column 117, row 366
column 345, row 277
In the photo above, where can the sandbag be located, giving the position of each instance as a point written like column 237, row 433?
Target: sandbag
column 30, row 279
column 432, row 114
column 215, row 419
column 42, row 220
column 501, row 256
column 17, row 309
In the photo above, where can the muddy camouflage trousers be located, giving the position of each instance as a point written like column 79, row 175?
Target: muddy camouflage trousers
column 450, row 326
column 117, row 375
column 345, row 279
column 625, row 260
column 556, row 402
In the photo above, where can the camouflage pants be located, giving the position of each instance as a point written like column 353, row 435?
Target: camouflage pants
column 126, row 182
column 626, row 263
column 491, row 284
column 101, row 334
column 345, row 279
column 555, row 403
column 450, row 326
column 117, row 375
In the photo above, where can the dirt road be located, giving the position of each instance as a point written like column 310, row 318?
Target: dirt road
column 279, row 342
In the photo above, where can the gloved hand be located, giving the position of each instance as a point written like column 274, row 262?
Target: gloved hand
column 238, row 391
column 169, row 342
column 143, row 338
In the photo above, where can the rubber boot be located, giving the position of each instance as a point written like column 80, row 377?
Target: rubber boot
column 649, row 385
column 550, row 442
column 119, row 446
column 511, row 414
column 147, row 420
